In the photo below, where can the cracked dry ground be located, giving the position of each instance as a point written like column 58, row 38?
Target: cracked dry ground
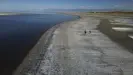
column 73, row 53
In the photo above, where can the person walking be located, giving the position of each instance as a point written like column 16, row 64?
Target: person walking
column 85, row 32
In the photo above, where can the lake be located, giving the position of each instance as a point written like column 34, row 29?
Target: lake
column 19, row 33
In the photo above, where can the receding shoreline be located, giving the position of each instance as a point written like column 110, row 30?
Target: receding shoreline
column 24, row 68
column 35, row 54
column 31, row 61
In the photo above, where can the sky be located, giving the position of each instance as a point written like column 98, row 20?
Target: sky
column 13, row 5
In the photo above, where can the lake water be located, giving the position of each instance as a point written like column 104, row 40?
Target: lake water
column 19, row 33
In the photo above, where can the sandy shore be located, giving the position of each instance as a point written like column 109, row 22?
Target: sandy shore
column 3, row 14
column 6, row 14
column 31, row 61
column 36, row 53
column 66, row 50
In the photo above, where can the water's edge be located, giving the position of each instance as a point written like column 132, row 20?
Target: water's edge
column 35, row 55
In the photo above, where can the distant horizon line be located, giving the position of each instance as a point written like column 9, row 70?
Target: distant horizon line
column 74, row 9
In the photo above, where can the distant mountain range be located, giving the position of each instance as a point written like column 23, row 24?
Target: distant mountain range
column 89, row 10
column 71, row 10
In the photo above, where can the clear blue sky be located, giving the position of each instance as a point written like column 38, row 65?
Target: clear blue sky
column 6, row 5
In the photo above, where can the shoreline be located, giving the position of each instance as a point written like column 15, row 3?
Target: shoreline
column 44, row 40
column 33, row 53
column 70, row 13
column 6, row 14
column 32, row 61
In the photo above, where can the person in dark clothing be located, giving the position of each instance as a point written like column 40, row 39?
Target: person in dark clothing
column 85, row 31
